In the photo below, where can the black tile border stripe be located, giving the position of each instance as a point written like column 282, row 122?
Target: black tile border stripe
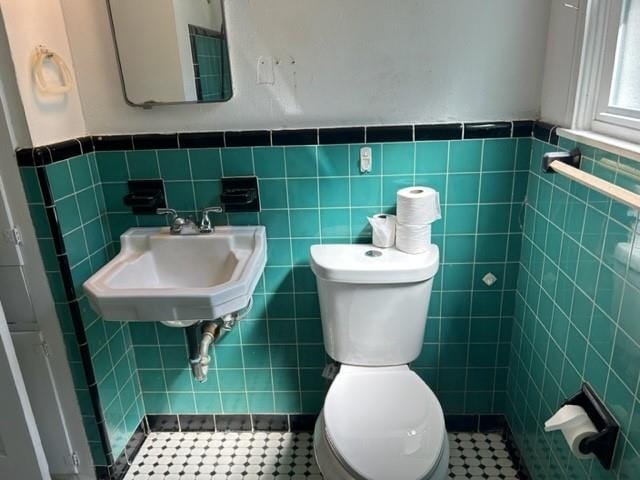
column 72, row 304
column 44, row 155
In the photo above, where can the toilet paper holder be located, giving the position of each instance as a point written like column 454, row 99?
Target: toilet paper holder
column 603, row 443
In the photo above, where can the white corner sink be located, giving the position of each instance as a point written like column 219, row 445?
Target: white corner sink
column 179, row 279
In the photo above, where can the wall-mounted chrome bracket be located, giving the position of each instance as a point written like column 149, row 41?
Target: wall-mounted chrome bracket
column 572, row 158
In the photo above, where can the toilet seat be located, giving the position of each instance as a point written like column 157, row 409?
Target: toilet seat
column 384, row 422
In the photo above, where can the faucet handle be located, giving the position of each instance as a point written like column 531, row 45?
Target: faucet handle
column 167, row 211
column 176, row 223
column 205, row 224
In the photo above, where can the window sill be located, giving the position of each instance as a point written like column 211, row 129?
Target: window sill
column 623, row 148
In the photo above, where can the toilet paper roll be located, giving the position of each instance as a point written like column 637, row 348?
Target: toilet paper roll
column 384, row 230
column 575, row 425
column 413, row 239
column 418, row 205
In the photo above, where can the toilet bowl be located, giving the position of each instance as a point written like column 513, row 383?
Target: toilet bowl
column 380, row 421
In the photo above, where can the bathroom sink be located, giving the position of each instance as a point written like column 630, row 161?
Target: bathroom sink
column 179, row 279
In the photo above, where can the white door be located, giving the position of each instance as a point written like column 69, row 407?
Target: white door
column 21, row 453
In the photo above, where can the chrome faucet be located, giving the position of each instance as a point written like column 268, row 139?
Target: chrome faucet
column 186, row 226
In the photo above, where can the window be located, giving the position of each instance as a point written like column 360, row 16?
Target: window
column 610, row 87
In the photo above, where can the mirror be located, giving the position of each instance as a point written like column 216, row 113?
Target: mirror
column 171, row 51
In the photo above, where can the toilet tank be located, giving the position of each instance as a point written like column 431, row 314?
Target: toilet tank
column 373, row 302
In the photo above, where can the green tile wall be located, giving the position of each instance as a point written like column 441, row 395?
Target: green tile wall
column 272, row 361
column 213, row 71
column 314, row 194
column 81, row 211
column 576, row 314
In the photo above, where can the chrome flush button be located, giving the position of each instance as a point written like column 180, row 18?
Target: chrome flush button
column 373, row 253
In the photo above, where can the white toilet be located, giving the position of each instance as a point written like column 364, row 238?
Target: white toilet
column 380, row 421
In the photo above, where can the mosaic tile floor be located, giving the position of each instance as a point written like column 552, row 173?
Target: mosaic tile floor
column 273, row 455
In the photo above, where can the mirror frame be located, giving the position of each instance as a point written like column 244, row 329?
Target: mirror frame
column 150, row 104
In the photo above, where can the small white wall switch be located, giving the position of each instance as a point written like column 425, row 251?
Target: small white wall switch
column 366, row 160
column 489, row 279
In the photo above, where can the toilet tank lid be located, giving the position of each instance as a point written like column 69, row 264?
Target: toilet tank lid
column 368, row 264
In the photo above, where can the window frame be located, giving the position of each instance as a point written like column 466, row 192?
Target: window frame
column 593, row 112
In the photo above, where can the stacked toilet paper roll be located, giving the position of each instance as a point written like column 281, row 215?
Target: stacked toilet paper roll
column 417, row 208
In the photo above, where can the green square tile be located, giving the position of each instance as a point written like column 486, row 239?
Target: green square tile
column 312, row 402
column 334, row 222
column 182, row 403
column 280, row 305
column 301, row 161
column 282, row 331
column 453, row 355
column 30, row 184
column 304, row 223
column 283, row 356
column 523, row 154
column 178, row 380
column 496, row 187
column 300, row 249
column 68, row 214
column 303, row 193
column 457, row 276
column 365, row 191
column 333, row 160
column 180, row 196
column 234, row 403
column 465, row 156
column 494, row 218
column 174, row 356
column 432, row 157
column 491, row 248
column 174, row 165
column 152, row 380
column 398, row 158
column 237, row 162
column 207, row 193
column 143, row 164
column 499, row 154
column 307, row 305
column 460, row 218
column 76, row 246
column 305, row 280
column 276, row 223
column 625, row 359
column 259, row 380
column 113, row 196
column 228, row 356
column 112, row 166
column 391, row 185
column 334, row 192
column 261, row 402
column 269, row 162
column 148, row 357
column 254, row 332
column 279, row 252
column 278, row 279
column 287, row 402
column 256, row 356
column 208, row 403
column 205, row 163
column 88, row 205
column 80, row 172
column 273, row 193
column 40, row 221
column 463, row 188
column 231, row 380
column 60, row 182
column 48, row 254
column 454, row 330
column 482, row 354
column 285, row 379
column 456, row 304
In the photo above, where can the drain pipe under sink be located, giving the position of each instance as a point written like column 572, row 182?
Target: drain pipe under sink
column 211, row 332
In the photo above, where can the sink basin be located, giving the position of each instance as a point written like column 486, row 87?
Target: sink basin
column 179, row 279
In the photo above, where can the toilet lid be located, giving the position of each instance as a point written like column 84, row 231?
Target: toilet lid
column 384, row 422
